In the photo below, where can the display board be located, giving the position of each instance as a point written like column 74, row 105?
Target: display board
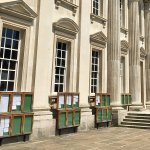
column 103, row 114
column 67, row 100
column 4, row 126
column 28, row 101
column 126, row 99
column 102, row 99
column 28, row 121
column 68, row 118
column 4, row 103
column 16, row 117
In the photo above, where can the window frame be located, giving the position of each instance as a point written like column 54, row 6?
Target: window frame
column 100, row 69
column 69, row 70
column 100, row 8
column 17, row 60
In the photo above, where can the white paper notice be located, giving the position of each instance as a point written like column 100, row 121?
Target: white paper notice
column 6, row 130
column 68, row 100
column 75, row 99
column 97, row 100
column 61, row 101
column 4, row 102
column 16, row 100
column 14, row 107
column 1, row 131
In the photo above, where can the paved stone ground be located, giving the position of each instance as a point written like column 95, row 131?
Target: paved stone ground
column 102, row 139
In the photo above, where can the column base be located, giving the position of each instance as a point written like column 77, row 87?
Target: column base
column 118, row 115
column 44, row 125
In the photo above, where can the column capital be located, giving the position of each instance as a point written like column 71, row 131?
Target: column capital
column 147, row 7
column 146, row 1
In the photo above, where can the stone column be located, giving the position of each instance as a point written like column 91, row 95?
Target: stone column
column 147, row 48
column 114, row 51
column 134, row 52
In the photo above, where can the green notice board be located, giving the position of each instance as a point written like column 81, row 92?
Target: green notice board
column 99, row 116
column 130, row 98
column 77, row 117
column 103, row 100
column 126, row 99
column 122, row 99
column 16, row 125
column 62, row 119
column 104, row 114
column 107, row 100
column 70, row 118
column 109, row 114
column 27, row 103
column 28, row 124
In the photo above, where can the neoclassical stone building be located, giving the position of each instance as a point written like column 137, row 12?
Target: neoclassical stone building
column 86, row 46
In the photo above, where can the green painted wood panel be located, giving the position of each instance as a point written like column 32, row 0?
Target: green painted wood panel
column 16, row 125
column 108, row 100
column 103, row 100
column 122, row 99
column 99, row 116
column 27, row 103
column 130, row 99
column 109, row 114
column 62, row 120
column 28, row 124
column 126, row 99
column 77, row 117
column 70, row 118
column 104, row 115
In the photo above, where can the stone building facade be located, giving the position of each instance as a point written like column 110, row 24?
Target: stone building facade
column 86, row 46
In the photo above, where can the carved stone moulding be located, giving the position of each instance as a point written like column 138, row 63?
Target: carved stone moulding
column 98, row 39
column 66, row 27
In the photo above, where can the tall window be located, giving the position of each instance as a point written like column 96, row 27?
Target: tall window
column 9, row 53
column 122, row 13
column 60, row 67
column 97, row 7
column 95, row 71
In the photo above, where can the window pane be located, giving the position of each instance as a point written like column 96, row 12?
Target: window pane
column 8, row 43
column 14, row 55
column 16, row 35
column 64, row 46
column 11, row 75
column 2, row 43
column 3, row 86
column 4, row 75
column 1, row 52
column 12, row 65
column 56, row 88
column 7, row 53
column 56, row 79
column 15, row 44
column 58, row 45
column 5, row 64
column 10, row 86
column 9, row 33
column 4, row 32
column 61, row 88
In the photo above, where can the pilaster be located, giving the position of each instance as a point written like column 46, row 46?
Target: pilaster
column 134, row 52
column 114, row 51
column 147, row 48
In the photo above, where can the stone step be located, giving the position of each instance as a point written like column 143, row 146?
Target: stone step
column 137, row 120
column 135, row 126
column 138, row 117
column 138, row 114
column 136, row 123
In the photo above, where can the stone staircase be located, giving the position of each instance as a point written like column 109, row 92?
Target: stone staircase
column 137, row 120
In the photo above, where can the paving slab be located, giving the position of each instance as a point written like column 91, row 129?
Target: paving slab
column 113, row 138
